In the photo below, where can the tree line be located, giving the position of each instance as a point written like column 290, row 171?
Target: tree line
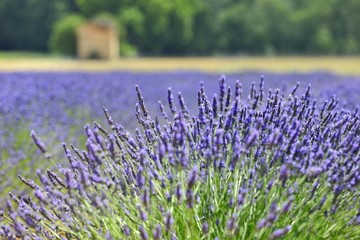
column 188, row 27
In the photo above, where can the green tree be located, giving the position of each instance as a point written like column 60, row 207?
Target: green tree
column 91, row 8
column 159, row 27
column 344, row 23
column 241, row 29
column 63, row 36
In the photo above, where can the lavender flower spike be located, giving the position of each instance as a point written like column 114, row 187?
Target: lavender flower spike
column 280, row 233
column 38, row 142
column 192, row 177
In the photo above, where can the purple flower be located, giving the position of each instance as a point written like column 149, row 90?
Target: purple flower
column 205, row 228
column 231, row 223
column 192, row 177
column 143, row 233
column 142, row 214
column 280, row 232
column 189, row 198
column 313, row 171
column 284, row 174
column 157, row 232
column 169, row 221
column 145, row 197
column 287, row 205
column 261, row 224
column 38, row 142
column 171, row 102
column 178, row 193
column 252, row 139
column 126, row 230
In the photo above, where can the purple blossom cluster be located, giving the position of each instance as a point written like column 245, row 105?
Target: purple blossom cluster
column 262, row 164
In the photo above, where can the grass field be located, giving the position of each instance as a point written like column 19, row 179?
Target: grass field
column 30, row 62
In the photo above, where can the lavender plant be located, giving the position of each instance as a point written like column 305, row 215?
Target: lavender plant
column 263, row 166
column 55, row 104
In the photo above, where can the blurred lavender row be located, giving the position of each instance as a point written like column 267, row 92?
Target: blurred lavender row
column 47, row 97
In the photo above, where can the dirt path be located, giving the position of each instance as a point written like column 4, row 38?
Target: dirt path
column 340, row 65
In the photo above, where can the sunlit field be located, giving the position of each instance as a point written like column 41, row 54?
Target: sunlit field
column 339, row 65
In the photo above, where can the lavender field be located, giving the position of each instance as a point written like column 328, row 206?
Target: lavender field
column 244, row 156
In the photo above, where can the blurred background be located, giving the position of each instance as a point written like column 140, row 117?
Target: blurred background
column 186, row 27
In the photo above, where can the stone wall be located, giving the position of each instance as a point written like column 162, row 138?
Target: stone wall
column 97, row 41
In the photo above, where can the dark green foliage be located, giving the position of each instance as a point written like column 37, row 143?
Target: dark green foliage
column 190, row 27
column 26, row 25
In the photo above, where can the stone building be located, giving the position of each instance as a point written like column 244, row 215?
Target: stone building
column 97, row 40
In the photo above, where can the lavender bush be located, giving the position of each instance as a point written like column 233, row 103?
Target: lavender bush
column 264, row 165
column 55, row 104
